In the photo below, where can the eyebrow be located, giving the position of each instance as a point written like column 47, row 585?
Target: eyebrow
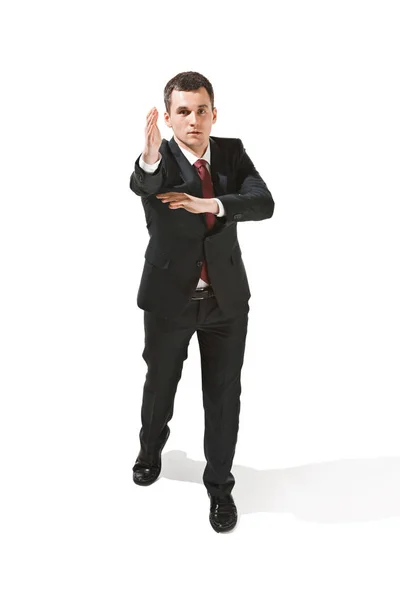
column 199, row 106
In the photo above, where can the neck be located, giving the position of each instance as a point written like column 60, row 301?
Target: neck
column 199, row 152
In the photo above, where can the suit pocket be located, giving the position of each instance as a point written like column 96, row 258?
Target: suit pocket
column 157, row 257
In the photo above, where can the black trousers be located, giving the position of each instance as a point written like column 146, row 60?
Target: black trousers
column 221, row 344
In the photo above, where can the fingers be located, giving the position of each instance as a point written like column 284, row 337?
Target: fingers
column 152, row 114
column 175, row 200
column 174, row 196
column 151, row 122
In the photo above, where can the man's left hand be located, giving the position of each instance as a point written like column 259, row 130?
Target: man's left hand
column 189, row 203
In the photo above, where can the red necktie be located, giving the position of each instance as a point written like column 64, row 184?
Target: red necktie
column 208, row 192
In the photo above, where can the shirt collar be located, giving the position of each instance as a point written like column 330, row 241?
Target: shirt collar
column 192, row 157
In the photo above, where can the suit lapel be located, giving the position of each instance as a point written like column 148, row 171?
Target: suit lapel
column 219, row 179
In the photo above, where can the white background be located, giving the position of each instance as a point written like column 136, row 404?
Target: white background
column 312, row 89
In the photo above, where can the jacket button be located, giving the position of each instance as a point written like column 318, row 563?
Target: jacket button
column 237, row 216
column 199, row 263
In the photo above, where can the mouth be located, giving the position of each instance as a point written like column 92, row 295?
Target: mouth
column 194, row 132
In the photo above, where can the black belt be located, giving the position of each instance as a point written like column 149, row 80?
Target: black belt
column 202, row 293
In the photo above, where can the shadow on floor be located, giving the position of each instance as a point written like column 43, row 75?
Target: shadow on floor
column 341, row 491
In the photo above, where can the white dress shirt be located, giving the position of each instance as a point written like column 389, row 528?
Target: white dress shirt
column 192, row 159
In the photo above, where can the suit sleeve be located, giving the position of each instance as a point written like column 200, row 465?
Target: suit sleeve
column 253, row 201
column 146, row 181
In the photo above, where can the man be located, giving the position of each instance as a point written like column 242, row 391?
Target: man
column 195, row 189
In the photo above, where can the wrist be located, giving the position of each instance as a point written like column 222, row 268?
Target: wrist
column 214, row 208
column 150, row 157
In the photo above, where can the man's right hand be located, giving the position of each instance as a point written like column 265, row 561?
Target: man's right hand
column 153, row 138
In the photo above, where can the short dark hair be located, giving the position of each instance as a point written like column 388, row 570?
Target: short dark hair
column 187, row 81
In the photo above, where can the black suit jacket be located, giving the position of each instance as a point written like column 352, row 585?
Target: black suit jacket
column 180, row 241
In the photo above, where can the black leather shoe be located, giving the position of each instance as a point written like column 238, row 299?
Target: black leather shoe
column 146, row 472
column 223, row 513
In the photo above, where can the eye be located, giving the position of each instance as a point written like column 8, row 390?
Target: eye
column 184, row 111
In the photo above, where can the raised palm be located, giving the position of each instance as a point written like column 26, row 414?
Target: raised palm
column 152, row 133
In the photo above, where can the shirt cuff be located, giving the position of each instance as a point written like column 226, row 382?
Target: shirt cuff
column 221, row 208
column 149, row 168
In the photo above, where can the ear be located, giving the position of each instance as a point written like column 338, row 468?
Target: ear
column 167, row 119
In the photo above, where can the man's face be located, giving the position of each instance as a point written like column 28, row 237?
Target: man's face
column 191, row 111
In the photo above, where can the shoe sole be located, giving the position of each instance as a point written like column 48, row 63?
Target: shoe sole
column 223, row 529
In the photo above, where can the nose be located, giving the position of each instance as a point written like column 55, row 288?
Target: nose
column 193, row 121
